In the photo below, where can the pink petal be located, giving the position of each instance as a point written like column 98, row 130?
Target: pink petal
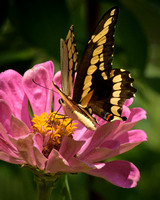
column 82, row 133
column 11, row 85
column 8, row 158
column 107, row 150
column 25, row 148
column 56, row 163
column 121, row 173
column 5, row 115
column 18, row 127
column 77, row 165
column 40, row 95
column 38, row 141
column 6, row 145
column 8, row 149
column 120, row 128
column 126, row 111
column 57, row 81
column 3, row 134
column 79, row 133
column 136, row 115
column 37, row 147
column 69, row 147
column 50, row 68
column 8, row 152
column 131, row 139
column 97, row 138
column 128, row 102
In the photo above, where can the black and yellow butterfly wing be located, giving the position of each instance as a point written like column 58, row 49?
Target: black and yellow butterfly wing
column 97, row 58
column 69, row 54
column 98, row 87
column 69, row 63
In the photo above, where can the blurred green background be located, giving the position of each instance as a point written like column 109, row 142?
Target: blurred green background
column 30, row 32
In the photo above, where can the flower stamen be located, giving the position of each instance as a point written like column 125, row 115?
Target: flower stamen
column 52, row 127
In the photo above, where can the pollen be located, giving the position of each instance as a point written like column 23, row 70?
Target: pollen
column 53, row 127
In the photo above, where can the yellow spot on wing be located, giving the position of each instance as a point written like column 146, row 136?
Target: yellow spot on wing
column 112, row 73
column 70, row 64
column 101, row 59
column 112, row 12
column 102, row 40
column 91, row 69
column 87, row 85
column 108, row 22
column 114, row 110
column 75, row 57
column 73, row 49
column 98, row 50
column 101, row 34
column 117, row 86
column 94, row 60
column 116, row 93
column 101, row 66
column 89, row 41
column 68, row 35
column 69, row 44
column 104, row 75
column 92, row 37
column 70, row 54
column 117, row 78
column 87, row 79
column 114, row 101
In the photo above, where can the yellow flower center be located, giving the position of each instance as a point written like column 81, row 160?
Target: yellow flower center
column 52, row 127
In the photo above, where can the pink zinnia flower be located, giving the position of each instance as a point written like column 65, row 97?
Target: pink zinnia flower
column 50, row 143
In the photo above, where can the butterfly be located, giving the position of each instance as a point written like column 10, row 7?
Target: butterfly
column 92, row 86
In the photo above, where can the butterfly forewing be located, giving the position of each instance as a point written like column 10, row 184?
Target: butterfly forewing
column 68, row 61
column 95, row 65
column 109, row 88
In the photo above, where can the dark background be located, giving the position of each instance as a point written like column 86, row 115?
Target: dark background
column 30, row 32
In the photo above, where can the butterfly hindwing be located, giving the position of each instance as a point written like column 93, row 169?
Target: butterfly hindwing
column 107, row 101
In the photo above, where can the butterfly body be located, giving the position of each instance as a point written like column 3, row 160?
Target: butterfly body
column 76, row 111
column 98, row 88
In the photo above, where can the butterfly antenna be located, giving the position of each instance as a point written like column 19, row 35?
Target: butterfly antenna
column 44, row 86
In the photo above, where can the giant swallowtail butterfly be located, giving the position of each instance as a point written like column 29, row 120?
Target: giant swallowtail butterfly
column 98, row 88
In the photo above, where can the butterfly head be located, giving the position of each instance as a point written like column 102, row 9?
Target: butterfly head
column 61, row 101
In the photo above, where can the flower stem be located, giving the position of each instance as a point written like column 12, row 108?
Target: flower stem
column 45, row 186
column 44, row 189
